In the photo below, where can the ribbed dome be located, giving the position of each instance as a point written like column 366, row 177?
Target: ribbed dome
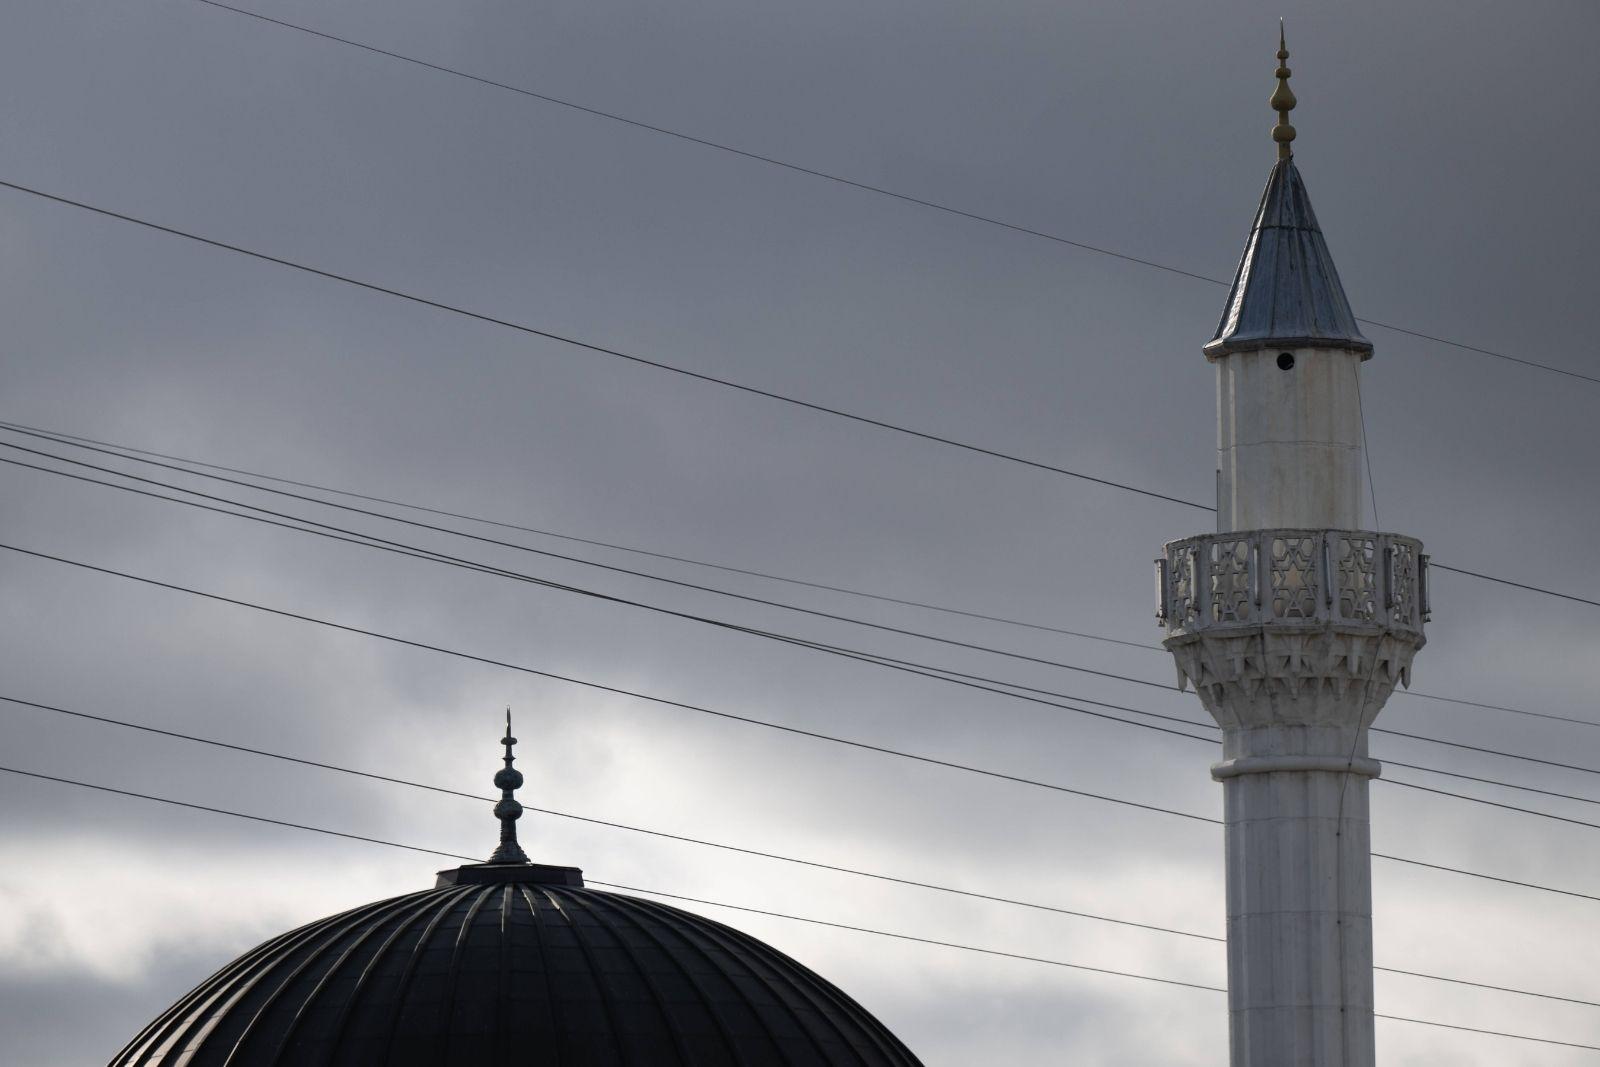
column 514, row 964
column 521, row 971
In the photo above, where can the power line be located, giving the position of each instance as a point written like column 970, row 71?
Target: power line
column 1489, row 751
column 1486, row 877
column 946, row 674
column 771, row 161
column 757, row 911
column 928, row 941
column 877, row 876
column 1485, row 985
column 436, row 557
column 949, row 675
column 993, row 952
column 765, row 602
column 617, row 690
column 1501, row 707
column 1494, row 804
column 939, row 673
column 1387, row 762
column 1160, row 729
column 1515, row 585
column 726, row 715
column 612, row 885
column 600, row 349
column 431, row 556
column 852, row 183
column 412, row 784
column 1379, row 1015
column 1476, row 1030
column 671, row 368
column 1033, row 959
column 123, row 451
column 239, row 814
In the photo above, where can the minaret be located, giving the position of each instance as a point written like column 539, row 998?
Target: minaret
column 1294, row 625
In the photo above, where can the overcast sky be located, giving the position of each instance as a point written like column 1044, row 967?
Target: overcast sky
column 1446, row 147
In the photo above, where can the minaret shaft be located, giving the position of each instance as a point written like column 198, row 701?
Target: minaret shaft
column 1294, row 778
column 1299, row 919
column 1289, row 439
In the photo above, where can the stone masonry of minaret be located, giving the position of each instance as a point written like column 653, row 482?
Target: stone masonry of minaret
column 1293, row 625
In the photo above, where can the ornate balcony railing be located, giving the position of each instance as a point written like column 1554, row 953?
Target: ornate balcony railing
column 1292, row 578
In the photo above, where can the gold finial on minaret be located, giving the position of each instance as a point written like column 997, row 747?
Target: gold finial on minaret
column 1283, row 101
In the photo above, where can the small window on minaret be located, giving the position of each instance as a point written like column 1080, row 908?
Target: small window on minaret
column 1285, row 361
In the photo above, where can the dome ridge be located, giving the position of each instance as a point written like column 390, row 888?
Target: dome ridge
column 464, row 975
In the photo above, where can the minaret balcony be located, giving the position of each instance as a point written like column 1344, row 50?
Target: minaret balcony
column 1283, row 627
column 1292, row 578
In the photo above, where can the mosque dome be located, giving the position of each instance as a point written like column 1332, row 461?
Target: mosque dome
column 516, row 963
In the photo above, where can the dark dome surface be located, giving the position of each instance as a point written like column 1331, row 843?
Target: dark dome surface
column 520, row 971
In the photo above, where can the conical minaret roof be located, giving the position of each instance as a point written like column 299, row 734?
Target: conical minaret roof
column 1286, row 292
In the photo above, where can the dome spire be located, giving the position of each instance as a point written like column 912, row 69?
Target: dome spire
column 510, row 864
column 1283, row 101
column 508, row 811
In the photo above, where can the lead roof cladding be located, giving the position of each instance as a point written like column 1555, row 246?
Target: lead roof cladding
column 514, row 963
column 515, row 972
column 1286, row 292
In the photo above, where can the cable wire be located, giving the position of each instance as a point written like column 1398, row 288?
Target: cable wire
column 850, row 182
column 751, row 910
column 1501, row 707
column 601, row 687
column 939, row 673
column 724, row 846
column 610, row 885
column 1489, row 751
column 239, row 814
column 674, row 369
column 678, row 583
column 123, row 451
column 726, row 715
column 1515, row 585
column 361, row 540
column 1485, row 877
column 491, row 320
column 1494, row 804
column 742, row 850
column 1387, row 762
column 1366, row 452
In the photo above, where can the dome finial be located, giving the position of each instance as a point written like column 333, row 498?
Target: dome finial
column 508, row 811
column 1283, row 100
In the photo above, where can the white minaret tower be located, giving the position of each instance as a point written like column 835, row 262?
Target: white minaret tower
column 1293, row 624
